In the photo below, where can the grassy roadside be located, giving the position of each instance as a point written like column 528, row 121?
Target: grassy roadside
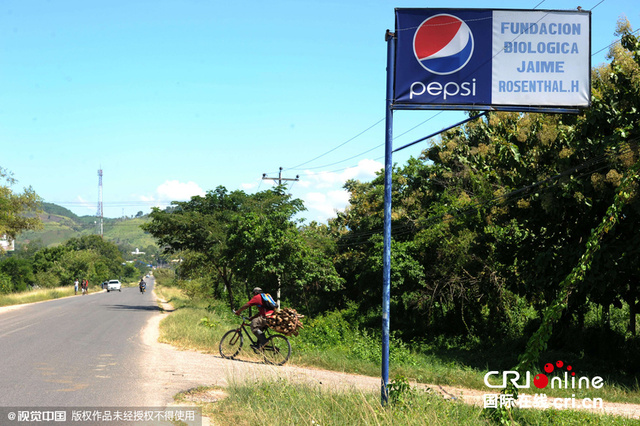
column 40, row 295
column 292, row 403
column 184, row 329
column 44, row 294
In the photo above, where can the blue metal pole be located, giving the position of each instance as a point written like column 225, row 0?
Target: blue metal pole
column 386, row 256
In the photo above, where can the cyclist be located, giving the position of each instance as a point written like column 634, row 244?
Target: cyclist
column 259, row 320
column 143, row 285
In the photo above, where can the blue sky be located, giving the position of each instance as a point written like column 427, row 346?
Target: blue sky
column 174, row 98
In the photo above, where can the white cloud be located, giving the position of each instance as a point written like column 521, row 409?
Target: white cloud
column 90, row 206
column 340, row 198
column 318, row 205
column 178, row 191
column 326, row 195
column 365, row 170
column 172, row 190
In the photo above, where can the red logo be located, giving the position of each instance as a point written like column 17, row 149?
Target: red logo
column 541, row 380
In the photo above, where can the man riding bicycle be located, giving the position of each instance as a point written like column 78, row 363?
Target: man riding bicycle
column 259, row 320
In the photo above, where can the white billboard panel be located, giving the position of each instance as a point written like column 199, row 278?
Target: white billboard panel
column 541, row 58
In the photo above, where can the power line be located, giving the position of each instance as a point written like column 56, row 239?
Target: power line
column 511, row 196
column 617, row 41
column 482, row 114
column 371, row 149
column 365, row 152
column 342, row 144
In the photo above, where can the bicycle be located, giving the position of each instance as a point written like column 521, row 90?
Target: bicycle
column 276, row 351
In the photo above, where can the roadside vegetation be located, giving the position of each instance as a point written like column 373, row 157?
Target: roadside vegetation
column 331, row 342
column 515, row 245
column 33, row 296
column 292, row 404
column 89, row 257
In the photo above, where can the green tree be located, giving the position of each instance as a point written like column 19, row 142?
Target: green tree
column 201, row 226
column 78, row 264
column 17, row 210
column 107, row 251
column 47, row 258
column 268, row 249
column 19, row 272
column 6, row 286
column 496, row 213
column 238, row 241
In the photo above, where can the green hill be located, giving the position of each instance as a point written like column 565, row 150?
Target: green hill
column 60, row 224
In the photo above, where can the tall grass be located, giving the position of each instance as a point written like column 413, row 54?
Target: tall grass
column 329, row 342
column 281, row 402
column 43, row 294
column 38, row 295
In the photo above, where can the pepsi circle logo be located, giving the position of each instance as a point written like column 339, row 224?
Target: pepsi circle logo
column 443, row 44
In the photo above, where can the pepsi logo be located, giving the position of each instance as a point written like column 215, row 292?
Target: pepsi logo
column 443, row 44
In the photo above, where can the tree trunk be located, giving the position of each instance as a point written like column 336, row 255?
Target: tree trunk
column 278, row 294
column 226, row 278
column 605, row 315
column 633, row 306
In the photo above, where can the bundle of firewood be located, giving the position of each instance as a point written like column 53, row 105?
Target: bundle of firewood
column 286, row 321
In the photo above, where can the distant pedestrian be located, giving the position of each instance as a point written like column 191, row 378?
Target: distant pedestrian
column 75, row 285
column 85, row 287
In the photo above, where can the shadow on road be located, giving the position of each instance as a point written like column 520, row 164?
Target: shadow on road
column 153, row 308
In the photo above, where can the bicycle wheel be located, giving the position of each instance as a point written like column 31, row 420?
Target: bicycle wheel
column 230, row 344
column 277, row 350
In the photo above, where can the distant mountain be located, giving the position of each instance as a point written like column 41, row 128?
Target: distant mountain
column 55, row 209
column 61, row 224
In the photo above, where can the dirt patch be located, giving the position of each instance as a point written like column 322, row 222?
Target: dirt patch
column 205, row 396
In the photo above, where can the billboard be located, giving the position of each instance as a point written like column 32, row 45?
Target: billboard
column 481, row 58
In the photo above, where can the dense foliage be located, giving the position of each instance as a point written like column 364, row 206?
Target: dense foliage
column 89, row 257
column 231, row 242
column 491, row 219
column 15, row 208
column 514, row 225
column 489, row 225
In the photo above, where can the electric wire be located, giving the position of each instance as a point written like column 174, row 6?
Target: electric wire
column 366, row 152
column 473, row 209
column 401, row 229
column 616, row 41
column 507, row 198
column 379, row 121
column 341, row 145
column 536, row 6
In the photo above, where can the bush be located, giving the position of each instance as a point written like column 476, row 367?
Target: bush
column 165, row 277
column 6, row 286
column 197, row 288
column 332, row 330
column 47, row 279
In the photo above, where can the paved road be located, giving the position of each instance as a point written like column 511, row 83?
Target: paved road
column 82, row 351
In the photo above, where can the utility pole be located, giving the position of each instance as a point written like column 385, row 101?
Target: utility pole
column 100, row 209
column 280, row 178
